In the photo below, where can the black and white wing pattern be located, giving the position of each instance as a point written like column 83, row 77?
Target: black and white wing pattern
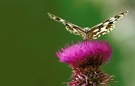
column 104, row 27
column 93, row 33
column 69, row 26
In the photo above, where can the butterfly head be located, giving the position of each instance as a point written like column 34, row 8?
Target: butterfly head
column 86, row 29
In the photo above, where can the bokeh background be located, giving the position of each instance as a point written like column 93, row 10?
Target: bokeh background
column 29, row 39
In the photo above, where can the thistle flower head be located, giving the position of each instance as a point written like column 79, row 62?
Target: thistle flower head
column 85, row 53
column 85, row 58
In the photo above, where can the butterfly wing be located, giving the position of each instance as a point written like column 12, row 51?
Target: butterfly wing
column 105, row 27
column 69, row 26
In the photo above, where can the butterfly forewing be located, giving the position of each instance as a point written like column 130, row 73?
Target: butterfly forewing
column 105, row 27
column 93, row 33
column 69, row 26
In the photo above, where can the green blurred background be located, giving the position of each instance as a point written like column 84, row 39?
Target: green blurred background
column 29, row 39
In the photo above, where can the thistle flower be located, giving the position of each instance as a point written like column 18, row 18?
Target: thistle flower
column 85, row 59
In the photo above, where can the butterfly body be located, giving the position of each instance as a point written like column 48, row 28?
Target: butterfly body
column 90, row 33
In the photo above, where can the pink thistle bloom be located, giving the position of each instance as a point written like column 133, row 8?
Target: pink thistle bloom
column 85, row 58
column 87, row 52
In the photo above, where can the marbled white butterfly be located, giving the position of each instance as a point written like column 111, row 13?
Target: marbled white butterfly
column 90, row 33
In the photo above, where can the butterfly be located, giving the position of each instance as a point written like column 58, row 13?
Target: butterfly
column 90, row 33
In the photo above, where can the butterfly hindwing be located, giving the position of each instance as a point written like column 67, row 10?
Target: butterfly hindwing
column 105, row 27
column 69, row 26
